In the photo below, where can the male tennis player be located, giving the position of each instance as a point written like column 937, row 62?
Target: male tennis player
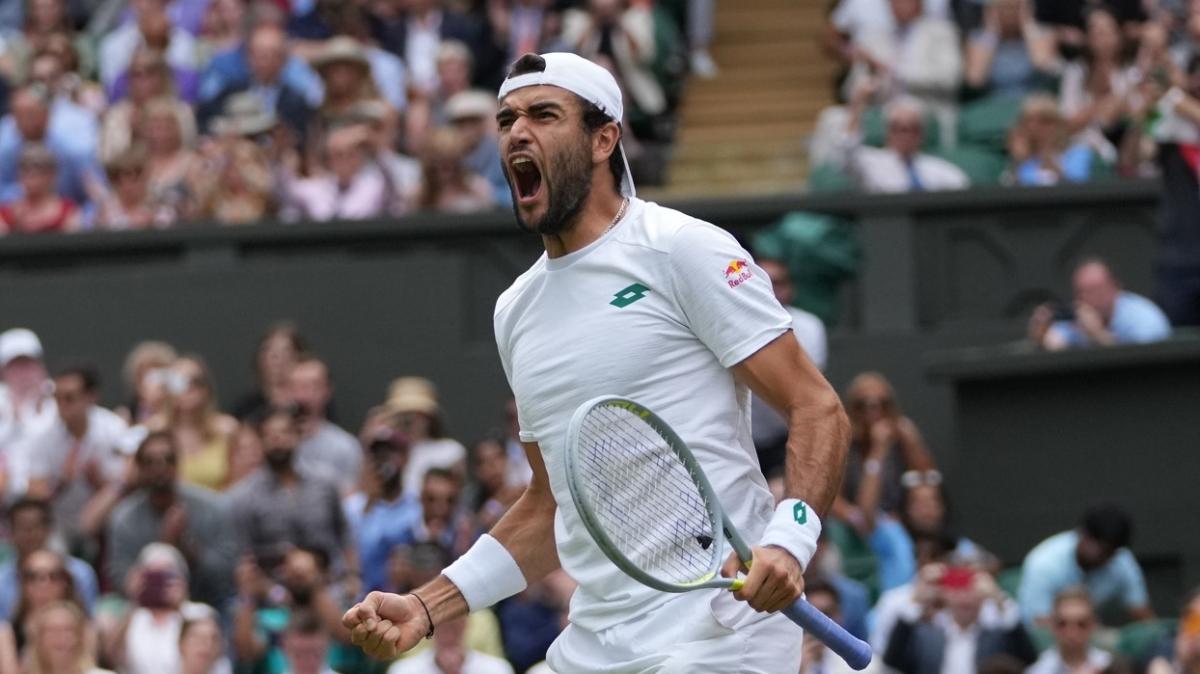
column 633, row 299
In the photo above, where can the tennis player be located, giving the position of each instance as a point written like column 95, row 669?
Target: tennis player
column 643, row 301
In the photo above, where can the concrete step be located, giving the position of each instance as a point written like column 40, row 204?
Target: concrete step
column 749, row 130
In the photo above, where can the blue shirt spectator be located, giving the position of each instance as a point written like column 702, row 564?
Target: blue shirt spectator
column 1075, row 164
column 1135, row 320
column 1094, row 556
column 69, row 131
column 30, row 524
column 231, row 69
column 1103, row 314
column 378, row 528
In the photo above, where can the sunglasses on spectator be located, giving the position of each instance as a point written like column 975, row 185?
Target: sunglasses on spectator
column 916, row 478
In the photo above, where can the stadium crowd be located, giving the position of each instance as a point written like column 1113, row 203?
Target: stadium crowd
column 179, row 534
column 138, row 114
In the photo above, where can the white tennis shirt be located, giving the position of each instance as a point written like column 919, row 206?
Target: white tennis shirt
column 657, row 309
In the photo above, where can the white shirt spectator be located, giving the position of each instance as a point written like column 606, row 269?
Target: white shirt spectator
column 883, row 170
column 18, row 428
column 152, row 647
column 859, row 17
column 424, row 35
column 473, row 663
column 320, row 197
column 1051, row 663
column 105, row 443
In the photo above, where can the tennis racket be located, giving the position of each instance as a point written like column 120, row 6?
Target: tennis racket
column 646, row 502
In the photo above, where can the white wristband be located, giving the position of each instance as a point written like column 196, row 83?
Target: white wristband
column 486, row 573
column 794, row 527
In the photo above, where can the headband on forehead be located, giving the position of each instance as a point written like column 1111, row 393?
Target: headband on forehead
column 585, row 79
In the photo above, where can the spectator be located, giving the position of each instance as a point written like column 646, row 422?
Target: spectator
column 345, row 72
column 147, row 640
column 146, row 370
column 30, row 524
column 1095, row 90
column 1011, row 55
column 1039, row 148
column 236, row 186
column 899, row 166
column 71, row 137
column 933, row 554
column 495, row 495
column 442, row 520
column 620, row 36
column 44, row 20
column 306, row 645
column 945, row 628
column 1068, row 19
column 201, row 646
column 414, row 35
column 1073, row 624
column 532, row 619
column 917, row 55
column 245, row 455
column 44, row 581
column 527, row 26
column 925, row 515
column 39, row 209
column 413, row 403
column 153, row 27
column 124, row 125
column 201, row 432
column 473, row 114
column 221, row 24
column 402, row 172
column 448, row 186
column 267, row 59
column 325, row 449
column 381, row 515
column 278, row 508
column 352, row 186
column 1103, row 314
column 26, row 404
column 428, row 110
column 84, row 449
column 817, row 658
column 162, row 509
column 278, row 349
column 451, row 654
column 1186, row 656
column 701, row 15
column 1095, row 555
column 54, row 67
column 170, row 161
column 60, row 642
column 128, row 206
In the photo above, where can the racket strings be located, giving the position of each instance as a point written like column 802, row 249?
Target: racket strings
column 643, row 497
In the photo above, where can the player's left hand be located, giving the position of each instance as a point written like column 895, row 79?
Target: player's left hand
column 773, row 582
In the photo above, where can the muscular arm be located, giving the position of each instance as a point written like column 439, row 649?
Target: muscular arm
column 818, row 431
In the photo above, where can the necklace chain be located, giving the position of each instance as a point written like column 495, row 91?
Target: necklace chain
column 617, row 218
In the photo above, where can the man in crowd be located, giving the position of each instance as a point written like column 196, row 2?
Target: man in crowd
column 1073, row 625
column 72, row 141
column 30, row 524
column 1103, row 314
column 164, row 509
column 1095, row 555
column 382, row 516
column 26, row 403
column 279, row 508
column 473, row 115
column 818, row 659
column 325, row 450
column 440, row 517
column 83, row 448
column 306, row 645
column 451, row 654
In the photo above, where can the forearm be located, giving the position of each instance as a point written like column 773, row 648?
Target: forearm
column 818, row 436
column 246, row 645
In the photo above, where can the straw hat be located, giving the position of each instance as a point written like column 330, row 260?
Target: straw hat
column 412, row 394
column 341, row 49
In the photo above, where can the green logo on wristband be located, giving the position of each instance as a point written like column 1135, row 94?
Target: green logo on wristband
column 800, row 513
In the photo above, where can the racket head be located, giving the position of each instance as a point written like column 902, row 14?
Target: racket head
column 643, row 497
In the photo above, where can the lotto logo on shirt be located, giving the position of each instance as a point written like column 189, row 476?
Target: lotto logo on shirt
column 737, row 273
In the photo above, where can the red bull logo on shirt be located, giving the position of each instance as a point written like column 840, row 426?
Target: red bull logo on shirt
column 737, row 273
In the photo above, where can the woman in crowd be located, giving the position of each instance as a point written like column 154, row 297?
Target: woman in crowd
column 926, row 516
column 204, row 434
column 238, row 187
column 44, row 581
column 1039, row 149
column 201, row 647
column 124, row 125
column 61, row 641
column 277, row 352
column 413, row 407
column 448, row 186
column 44, row 19
column 1095, row 89
column 145, row 373
column 1186, row 656
column 39, row 208
column 171, row 163
column 1011, row 55
column 489, row 460
column 126, row 204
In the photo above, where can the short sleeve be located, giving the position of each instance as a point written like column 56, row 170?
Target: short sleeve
column 1133, row 583
column 725, row 298
column 506, row 363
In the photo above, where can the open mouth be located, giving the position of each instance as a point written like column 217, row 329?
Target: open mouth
column 526, row 177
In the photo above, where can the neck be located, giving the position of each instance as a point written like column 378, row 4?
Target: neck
column 594, row 220
column 1073, row 656
column 77, row 427
column 35, row 198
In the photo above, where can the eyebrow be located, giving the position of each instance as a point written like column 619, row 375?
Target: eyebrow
column 541, row 106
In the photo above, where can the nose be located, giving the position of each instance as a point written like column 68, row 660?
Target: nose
column 520, row 132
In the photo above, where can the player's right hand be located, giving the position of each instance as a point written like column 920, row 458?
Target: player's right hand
column 385, row 625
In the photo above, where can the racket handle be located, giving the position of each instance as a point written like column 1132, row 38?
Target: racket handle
column 855, row 651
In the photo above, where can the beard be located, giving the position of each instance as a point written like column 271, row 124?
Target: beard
column 565, row 195
column 278, row 458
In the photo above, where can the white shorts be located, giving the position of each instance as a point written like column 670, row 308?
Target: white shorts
column 703, row 631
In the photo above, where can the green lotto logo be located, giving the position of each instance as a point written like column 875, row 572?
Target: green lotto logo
column 628, row 295
column 800, row 513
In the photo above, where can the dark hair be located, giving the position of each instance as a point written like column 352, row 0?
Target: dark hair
column 290, row 412
column 443, row 473
column 305, row 623
column 818, row 585
column 319, row 555
column 1109, row 524
column 288, row 330
column 86, row 372
column 1001, row 663
column 593, row 117
column 164, row 436
column 25, row 503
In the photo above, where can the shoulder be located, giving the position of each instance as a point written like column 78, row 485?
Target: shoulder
column 245, row 489
column 520, row 286
column 1052, row 552
column 666, row 230
column 125, row 508
column 1141, row 304
column 195, row 495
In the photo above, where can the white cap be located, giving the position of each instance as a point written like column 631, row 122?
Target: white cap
column 17, row 343
column 591, row 82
